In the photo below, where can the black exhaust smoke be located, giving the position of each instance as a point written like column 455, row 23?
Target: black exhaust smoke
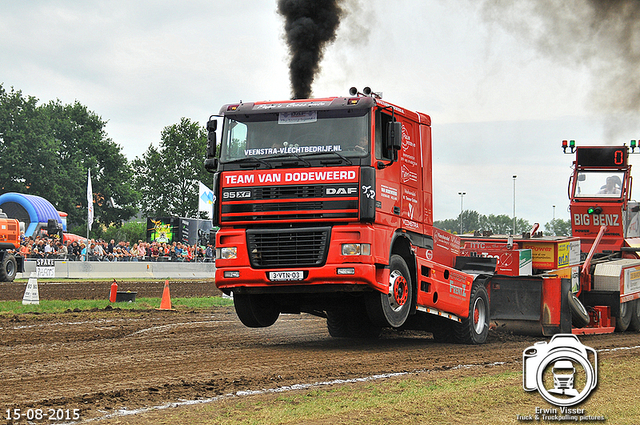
column 309, row 26
column 603, row 35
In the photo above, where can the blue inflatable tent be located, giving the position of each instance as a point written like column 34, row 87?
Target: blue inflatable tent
column 32, row 210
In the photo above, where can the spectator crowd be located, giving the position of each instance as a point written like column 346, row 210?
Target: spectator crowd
column 100, row 250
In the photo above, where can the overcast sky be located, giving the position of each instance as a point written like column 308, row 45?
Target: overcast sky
column 502, row 94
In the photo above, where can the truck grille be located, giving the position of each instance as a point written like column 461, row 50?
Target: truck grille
column 276, row 248
column 290, row 202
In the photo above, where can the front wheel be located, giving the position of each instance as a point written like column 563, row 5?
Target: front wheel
column 474, row 329
column 392, row 308
column 8, row 268
column 256, row 310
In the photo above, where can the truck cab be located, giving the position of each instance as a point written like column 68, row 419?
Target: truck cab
column 600, row 195
column 325, row 206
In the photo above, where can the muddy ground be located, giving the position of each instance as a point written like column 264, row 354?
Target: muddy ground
column 102, row 361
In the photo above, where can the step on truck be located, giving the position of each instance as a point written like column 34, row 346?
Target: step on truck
column 325, row 207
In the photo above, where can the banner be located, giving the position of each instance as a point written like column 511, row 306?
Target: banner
column 205, row 199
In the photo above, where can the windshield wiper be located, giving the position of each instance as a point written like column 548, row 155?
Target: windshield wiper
column 250, row 158
column 342, row 157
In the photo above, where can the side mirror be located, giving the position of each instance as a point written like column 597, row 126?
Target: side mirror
column 394, row 136
column 211, row 162
column 212, row 126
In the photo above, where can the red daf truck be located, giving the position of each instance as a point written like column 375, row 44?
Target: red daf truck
column 325, row 206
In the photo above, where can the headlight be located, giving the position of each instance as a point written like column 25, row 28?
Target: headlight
column 356, row 249
column 227, row 253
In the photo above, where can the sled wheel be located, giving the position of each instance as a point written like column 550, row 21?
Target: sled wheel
column 626, row 312
column 474, row 329
column 579, row 315
column 8, row 268
column 634, row 324
column 392, row 308
column 256, row 310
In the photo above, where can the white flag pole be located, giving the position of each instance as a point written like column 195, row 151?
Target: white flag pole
column 89, row 210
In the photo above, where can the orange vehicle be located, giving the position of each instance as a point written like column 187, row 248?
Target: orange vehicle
column 599, row 264
column 11, row 262
column 607, row 221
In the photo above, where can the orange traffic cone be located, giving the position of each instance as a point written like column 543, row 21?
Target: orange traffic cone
column 165, row 304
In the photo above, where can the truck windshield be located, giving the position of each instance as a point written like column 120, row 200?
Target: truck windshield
column 599, row 184
column 346, row 132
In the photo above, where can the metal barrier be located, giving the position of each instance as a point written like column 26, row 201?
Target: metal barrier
column 122, row 270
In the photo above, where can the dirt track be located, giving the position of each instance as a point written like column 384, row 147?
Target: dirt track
column 102, row 361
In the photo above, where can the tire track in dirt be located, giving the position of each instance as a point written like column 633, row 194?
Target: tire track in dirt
column 103, row 361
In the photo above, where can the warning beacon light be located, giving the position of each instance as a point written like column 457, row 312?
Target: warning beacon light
column 568, row 144
column 594, row 210
column 633, row 146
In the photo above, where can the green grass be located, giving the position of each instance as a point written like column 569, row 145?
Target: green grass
column 53, row 306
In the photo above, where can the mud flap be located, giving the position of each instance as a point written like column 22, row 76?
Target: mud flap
column 530, row 305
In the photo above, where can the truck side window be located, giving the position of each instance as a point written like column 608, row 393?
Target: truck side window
column 382, row 121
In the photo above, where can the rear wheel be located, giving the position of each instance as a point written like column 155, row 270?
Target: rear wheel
column 392, row 308
column 351, row 323
column 442, row 330
column 256, row 310
column 474, row 329
column 8, row 268
column 634, row 324
column 626, row 312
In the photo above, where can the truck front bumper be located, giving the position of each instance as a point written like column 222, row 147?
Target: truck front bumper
column 344, row 275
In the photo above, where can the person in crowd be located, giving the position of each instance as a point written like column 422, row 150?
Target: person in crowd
column 25, row 249
column 208, row 254
column 154, row 251
column 63, row 251
column 142, row 251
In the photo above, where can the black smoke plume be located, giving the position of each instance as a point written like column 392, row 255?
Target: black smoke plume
column 309, row 26
column 601, row 35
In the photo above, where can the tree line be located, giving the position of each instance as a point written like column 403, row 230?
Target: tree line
column 47, row 150
column 471, row 221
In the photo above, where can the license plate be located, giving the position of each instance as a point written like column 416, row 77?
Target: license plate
column 283, row 276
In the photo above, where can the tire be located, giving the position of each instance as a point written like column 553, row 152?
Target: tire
column 393, row 307
column 626, row 311
column 337, row 324
column 474, row 329
column 8, row 268
column 442, row 330
column 256, row 310
column 634, row 324
column 579, row 315
column 351, row 324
